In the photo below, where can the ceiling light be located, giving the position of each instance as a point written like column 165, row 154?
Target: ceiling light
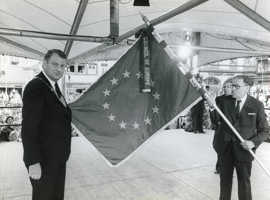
column 141, row 3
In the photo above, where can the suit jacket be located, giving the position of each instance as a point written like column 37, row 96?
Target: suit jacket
column 46, row 124
column 198, row 108
column 250, row 123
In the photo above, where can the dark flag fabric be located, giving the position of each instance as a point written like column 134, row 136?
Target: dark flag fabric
column 117, row 117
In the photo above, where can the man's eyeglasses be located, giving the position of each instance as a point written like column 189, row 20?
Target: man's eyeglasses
column 227, row 86
column 238, row 86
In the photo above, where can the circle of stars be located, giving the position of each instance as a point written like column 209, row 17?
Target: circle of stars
column 122, row 124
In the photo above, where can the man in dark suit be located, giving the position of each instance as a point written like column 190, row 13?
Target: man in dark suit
column 248, row 117
column 46, row 129
column 216, row 120
column 197, row 117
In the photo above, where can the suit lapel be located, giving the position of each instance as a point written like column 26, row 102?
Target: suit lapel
column 47, row 82
column 247, row 105
column 43, row 77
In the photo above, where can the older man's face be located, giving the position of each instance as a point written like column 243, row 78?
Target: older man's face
column 239, row 88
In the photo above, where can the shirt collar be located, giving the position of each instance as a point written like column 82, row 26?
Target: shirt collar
column 50, row 80
column 244, row 99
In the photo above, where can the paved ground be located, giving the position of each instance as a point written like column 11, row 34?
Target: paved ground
column 173, row 165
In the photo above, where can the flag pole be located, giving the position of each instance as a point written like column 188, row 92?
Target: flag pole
column 197, row 85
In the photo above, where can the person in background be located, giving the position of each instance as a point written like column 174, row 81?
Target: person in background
column 46, row 129
column 8, row 133
column 216, row 119
column 197, row 117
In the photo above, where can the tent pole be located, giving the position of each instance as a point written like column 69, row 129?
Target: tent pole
column 76, row 23
column 225, row 50
column 114, row 19
column 21, row 46
column 238, row 5
column 52, row 36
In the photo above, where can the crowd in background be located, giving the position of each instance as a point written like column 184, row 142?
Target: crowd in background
column 10, row 115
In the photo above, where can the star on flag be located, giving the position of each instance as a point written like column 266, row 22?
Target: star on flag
column 138, row 75
column 111, row 117
column 155, row 109
column 147, row 121
column 106, row 106
column 106, row 92
column 114, row 81
column 122, row 125
column 156, row 96
column 136, row 125
column 126, row 74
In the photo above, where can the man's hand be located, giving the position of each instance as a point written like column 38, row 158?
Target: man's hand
column 247, row 144
column 35, row 171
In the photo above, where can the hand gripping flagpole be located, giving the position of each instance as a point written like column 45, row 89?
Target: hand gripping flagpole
column 197, row 85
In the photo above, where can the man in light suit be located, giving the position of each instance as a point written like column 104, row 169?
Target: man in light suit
column 247, row 115
column 46, row 129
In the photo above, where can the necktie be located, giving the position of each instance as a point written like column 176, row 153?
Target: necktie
column 238, row 106
column 58, row 92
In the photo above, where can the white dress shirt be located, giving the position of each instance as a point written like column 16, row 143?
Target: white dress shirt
column 50, row 80
column 243, row 100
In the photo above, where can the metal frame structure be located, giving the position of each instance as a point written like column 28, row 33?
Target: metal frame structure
column 72, row 36
column 76, row 23
column 258, row 19
column 181, row 9
column 114, row 19
column 51, row 36
column 24, row 47
column 114, row 28
column 226, row 50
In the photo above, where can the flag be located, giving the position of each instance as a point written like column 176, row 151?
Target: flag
column 117, row 117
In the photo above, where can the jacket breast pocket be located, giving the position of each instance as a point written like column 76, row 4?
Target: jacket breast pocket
column 249, row 119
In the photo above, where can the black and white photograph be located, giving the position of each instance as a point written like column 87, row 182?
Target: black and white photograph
column 134, row 100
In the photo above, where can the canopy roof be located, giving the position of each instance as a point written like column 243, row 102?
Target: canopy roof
column 220, row 25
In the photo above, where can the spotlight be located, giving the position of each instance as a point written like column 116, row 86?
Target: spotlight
column 184, row 51
column 141, row 3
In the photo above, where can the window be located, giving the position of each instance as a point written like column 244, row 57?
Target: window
column 70, row 68
column 81, row 68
